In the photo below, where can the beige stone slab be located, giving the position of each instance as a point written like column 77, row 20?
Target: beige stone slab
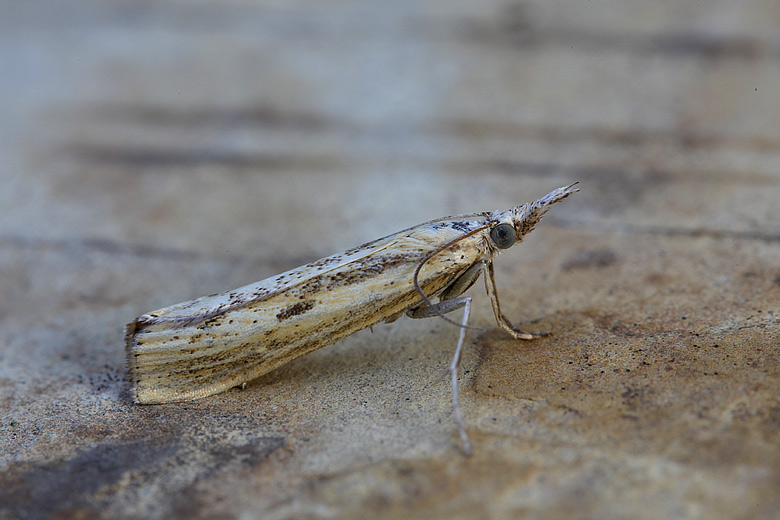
column 152, row 153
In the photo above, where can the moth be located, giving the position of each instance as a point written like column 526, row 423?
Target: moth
column 208, row 345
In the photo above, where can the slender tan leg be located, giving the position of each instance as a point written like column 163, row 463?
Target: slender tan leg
column 503, row 322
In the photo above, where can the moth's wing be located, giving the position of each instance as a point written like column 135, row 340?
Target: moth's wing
column 198, row 348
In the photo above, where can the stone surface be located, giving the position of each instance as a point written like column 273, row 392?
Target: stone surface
column 155, row 152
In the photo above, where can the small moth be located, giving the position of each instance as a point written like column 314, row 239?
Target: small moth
column 205, row 346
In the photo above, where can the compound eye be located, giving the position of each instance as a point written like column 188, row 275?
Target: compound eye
column 503, row 235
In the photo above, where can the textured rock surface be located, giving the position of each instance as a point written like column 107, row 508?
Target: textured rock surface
column 156, row 152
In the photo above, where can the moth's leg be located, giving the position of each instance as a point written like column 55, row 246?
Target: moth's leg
column 490, row 287
column 448, row 301
column 437, row 309
column 463, row 282
column 453, row 369
column 442, row 308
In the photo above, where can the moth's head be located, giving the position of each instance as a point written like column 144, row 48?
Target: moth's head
column 509, row 227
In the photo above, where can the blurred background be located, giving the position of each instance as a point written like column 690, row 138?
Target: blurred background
column 153, row 152
column 124, row 117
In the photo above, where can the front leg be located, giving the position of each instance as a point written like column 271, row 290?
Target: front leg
column 490, row 287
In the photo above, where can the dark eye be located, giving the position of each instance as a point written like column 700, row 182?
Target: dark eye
column 503, row 235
